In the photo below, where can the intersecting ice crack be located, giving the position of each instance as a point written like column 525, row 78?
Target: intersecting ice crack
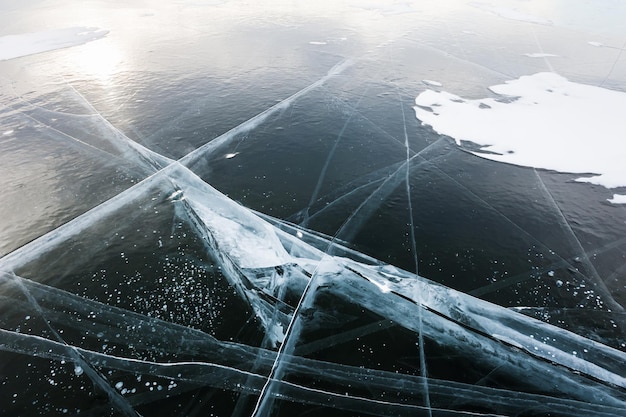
column 266, row 261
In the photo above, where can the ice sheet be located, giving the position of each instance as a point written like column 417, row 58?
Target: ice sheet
column 541, row 121
column 174, row 298
column 15, row 46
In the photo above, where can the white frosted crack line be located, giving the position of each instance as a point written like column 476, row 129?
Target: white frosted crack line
column 374, row 125
column 175, row 371
column 407, row 181
column 118, row 362
column 414, row 408
column 88, row 145
column 619, row 55
column 352, row 190
column 150, row 159
column 447, row 54
column 345, row 232
column 123, row 142
column 598, row 283
column 408, row 191
column 266, row 398
column 56, row 351
column 348, row 229
column 74, row 226
column 116, row 399
column 484, row 381
column 487, row 204
column 545, row 58
column 265, row 401
column 619, row 272
column 420, row 336
column 117, row 318
column 329, row 157
column 337, row 200
column 308, row 366
column 123, row 103
column 263, row 116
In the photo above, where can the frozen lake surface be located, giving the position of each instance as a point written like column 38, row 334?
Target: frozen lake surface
column 293, row 208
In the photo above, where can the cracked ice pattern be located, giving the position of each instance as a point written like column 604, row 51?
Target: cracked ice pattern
column 159, row 294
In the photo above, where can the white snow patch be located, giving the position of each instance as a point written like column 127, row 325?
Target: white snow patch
column 539, row 55
column 317, row 43
column 596, row 44
column 15, row 46
column 433, row 83
column 618, row 199
column 512, row 14
column 546, row 122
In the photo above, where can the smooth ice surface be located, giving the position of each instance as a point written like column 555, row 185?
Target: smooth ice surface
column 542, row 121
column 18, row 45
